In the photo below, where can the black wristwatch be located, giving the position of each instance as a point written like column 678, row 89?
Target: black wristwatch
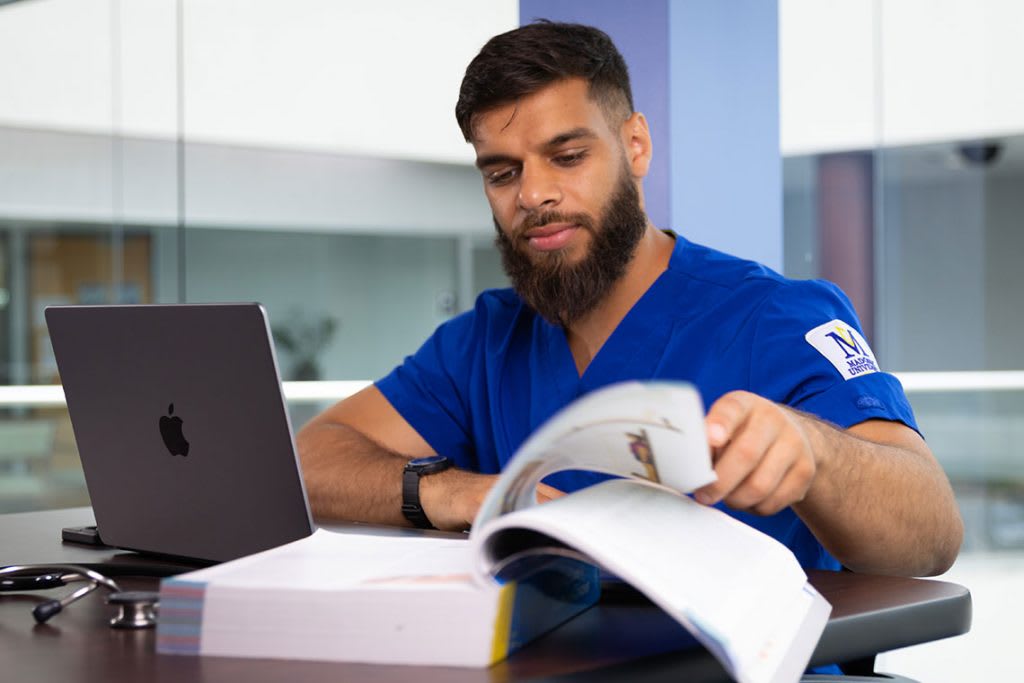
column 414, row 469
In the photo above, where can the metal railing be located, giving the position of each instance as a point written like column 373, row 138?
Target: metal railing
column 50, row 395
column 328, row 391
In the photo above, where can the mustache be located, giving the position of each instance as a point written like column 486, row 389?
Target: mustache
column 539, row 220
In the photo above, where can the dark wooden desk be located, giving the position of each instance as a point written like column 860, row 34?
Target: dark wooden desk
column 620, row 637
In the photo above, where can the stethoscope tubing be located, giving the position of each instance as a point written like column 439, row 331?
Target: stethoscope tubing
column 20, row 584
column 136, row 609
column 52, row 576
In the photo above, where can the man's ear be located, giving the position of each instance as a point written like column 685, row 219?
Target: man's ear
column 636, row 140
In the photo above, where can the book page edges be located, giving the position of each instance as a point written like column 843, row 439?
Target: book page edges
column 204, row 618
column 179, row 627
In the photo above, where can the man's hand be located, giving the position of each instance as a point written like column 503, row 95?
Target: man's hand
column 452, row 498
column 872, row 494
column 761, row 453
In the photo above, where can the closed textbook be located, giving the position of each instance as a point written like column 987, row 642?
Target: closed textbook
column 526, row 568
column 357, row 597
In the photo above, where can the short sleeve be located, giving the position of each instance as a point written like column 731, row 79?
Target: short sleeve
column 429, row 389
column 809, row 352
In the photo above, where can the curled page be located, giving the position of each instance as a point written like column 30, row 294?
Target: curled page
column 646, row 430
column 741, row 593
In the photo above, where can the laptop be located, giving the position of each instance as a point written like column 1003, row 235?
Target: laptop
column 182, row 428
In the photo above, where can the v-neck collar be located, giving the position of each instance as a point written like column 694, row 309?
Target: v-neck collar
column 632, row 350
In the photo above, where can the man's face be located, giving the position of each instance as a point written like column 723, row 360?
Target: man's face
column 564, row 199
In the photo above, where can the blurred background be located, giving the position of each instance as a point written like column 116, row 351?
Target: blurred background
column 305, row 155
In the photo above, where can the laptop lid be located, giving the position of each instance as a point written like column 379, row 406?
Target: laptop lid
column 181, row 427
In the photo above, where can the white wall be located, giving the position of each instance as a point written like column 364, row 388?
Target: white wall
column 381, row 78
column 55, row 64
column 826, row 76
column 67, row 176
column 376, row 78
column 368, row 78
column 859, row 74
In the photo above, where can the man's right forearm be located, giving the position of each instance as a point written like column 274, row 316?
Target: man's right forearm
column 350, row 477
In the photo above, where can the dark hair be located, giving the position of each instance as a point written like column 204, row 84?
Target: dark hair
column 522, row 61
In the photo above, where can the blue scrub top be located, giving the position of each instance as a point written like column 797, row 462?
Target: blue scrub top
column 485, row 380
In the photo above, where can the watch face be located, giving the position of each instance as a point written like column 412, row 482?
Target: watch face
column 428, row 461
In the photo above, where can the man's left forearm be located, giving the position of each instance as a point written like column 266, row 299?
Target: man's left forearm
column 879, row 501
column 873, row 495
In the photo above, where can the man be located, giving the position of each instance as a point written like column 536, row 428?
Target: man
column 811, row 443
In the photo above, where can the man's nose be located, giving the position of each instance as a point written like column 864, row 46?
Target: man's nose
column 538, row 189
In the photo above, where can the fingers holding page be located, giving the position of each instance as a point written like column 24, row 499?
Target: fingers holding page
column 760, row 454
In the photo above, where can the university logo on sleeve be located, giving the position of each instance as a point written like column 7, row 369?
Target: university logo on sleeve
column 843, row 346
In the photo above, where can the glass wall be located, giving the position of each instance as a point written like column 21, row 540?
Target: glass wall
column 61, row 211
column 160, row 151
column 177, row 150
column 904, row 182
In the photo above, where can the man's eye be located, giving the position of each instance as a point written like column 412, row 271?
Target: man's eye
column 502, row 177
column 570, row 159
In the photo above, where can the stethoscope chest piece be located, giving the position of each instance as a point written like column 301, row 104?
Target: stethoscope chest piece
column 135, row 609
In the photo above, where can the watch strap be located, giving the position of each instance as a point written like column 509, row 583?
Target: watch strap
column 411, row 507
column 414, row 470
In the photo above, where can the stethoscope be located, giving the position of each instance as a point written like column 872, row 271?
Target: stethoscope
column 136, row 609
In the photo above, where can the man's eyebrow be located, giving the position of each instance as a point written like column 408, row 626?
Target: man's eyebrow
column 493, row 160
column 570, row 136
column 581, row 133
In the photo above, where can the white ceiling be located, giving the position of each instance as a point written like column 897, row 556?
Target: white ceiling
column 380, row 78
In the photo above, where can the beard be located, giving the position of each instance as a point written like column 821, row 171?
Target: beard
column 562, row 292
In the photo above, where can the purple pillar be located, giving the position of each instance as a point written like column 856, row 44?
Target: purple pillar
column 640, row 31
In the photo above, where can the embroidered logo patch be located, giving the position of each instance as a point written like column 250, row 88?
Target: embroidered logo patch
column 843, row 346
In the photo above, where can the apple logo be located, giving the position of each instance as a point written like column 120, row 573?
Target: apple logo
column 170, row 430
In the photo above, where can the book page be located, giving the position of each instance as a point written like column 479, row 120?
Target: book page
column 730, row 585
column 645, row 430
column 330, row 561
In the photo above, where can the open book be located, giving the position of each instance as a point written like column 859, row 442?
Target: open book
column 361, row 596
